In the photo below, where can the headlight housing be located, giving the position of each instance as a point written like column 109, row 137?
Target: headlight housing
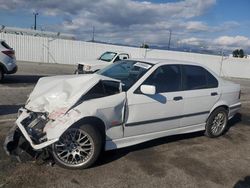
column 87, row 67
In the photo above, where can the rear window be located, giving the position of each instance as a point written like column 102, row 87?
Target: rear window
column 196, row 77
column 4, row 44
column 212, row 82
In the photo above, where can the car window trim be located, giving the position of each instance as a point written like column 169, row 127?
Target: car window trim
column 137, row 90
column 206, row 71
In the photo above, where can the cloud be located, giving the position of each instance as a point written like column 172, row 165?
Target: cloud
column 191, row 41
column 131, row 21
column 196, row 26
column 236, row 41
column 223, row 42
column 115, row 12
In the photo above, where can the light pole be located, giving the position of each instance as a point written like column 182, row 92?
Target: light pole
column 169, row 39
column 35, row 14
column 93, row 34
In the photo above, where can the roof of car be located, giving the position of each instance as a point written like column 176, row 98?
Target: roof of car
column 164, row 61
column 118, row 52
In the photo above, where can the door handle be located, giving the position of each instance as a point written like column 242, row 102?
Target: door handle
column 178, row 98
column 214, row 93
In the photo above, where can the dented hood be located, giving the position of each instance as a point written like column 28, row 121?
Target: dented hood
column 61, row 92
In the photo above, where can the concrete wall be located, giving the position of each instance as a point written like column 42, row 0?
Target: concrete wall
column 48, row 50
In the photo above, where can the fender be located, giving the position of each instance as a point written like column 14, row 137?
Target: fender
column 218, row 104
column 2, row 66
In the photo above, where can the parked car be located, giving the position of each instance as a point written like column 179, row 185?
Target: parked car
column 7, row 60
column 126, row 103
column 104, row 60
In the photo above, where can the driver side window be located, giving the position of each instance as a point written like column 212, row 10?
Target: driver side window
column 166, row 78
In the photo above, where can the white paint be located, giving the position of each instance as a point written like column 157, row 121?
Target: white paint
column 48, row 50
column 59, row 93
column 119, row 110
column 97, row 64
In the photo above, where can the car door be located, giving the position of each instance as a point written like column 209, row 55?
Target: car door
column 158, row 112
column 200, row 95
column 123, row 56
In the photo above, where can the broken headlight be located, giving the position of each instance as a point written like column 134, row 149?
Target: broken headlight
column 34, row 125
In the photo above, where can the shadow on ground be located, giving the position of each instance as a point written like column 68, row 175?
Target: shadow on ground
column 21, row 79
column 9, row 109
column 245, row 183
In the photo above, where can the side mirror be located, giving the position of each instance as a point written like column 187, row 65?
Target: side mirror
column 148, row 89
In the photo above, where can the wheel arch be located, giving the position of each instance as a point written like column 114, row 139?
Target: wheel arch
column 95, row 121
column 218, row 105
column 3, row 67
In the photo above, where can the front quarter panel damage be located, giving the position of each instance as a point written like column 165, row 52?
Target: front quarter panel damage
column 108, row 109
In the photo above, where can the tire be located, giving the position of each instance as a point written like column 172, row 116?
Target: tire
column 76, row 72
column 216, row 123
column 1, row 74
column 79, row 151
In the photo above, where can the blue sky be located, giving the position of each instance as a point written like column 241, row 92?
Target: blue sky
column 202, row 23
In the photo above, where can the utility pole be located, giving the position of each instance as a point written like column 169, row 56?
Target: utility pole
column 93, row 34
column 169, row 39
column 35, row 14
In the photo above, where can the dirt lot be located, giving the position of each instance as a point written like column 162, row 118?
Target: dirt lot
column 190, row 160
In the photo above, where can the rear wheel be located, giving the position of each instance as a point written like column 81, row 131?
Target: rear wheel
column 217, row 122
column 78, row 148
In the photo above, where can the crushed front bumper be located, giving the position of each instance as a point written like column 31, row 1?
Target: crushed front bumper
column 23, row 116
column 24, row 131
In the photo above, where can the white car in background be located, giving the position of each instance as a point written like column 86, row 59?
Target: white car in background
column 127, row 103
column 7, row 60
column 104, row 60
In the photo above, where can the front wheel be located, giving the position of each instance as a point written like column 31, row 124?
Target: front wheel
column 217, row 122
column 78, row 148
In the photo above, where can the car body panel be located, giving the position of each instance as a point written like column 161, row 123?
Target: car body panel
column 141, row 120
column 58, row 92
column 7, row 63
column 201, row 102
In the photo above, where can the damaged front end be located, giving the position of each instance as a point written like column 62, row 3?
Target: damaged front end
column 25, row 139
column 50, row 111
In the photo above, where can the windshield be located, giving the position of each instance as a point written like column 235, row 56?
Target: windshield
column 126, row 71
column 107, row 56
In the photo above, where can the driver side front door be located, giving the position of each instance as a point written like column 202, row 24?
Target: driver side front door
column 155, row 113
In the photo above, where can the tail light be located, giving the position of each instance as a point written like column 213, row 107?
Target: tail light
column 10, row 53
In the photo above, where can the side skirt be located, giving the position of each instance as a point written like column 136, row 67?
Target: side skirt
column 133, row 140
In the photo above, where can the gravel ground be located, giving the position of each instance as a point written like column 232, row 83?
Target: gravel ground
column 190, row 160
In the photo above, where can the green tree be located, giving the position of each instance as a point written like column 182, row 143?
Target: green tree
column 144, row 45
column 241, row 53
column 236, row 53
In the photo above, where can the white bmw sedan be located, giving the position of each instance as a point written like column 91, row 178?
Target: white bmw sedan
column 130, row 102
